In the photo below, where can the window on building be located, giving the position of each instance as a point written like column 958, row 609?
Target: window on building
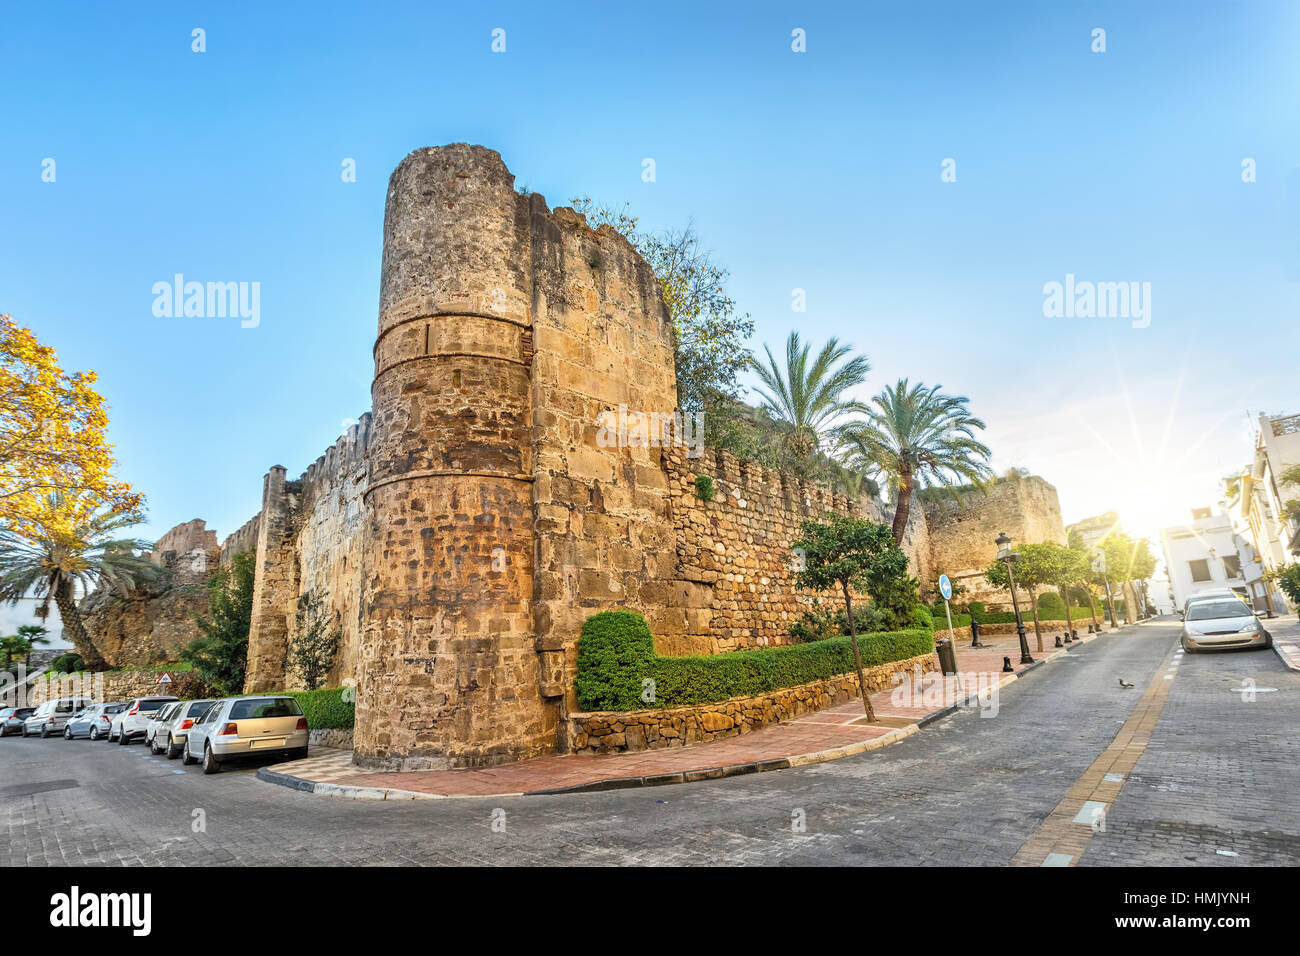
column 1232, row 564
column 1200, row 569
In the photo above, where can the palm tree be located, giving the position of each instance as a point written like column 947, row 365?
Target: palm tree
column 80, row 549
column 34, row 635
column 919, row 436
column 809, row 400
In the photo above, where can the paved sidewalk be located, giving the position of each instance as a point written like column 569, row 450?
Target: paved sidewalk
column 828, row 734
column 1285, row 629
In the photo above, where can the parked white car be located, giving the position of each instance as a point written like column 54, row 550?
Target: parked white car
column 238, row 727
column 169, row 736
column 133, row 721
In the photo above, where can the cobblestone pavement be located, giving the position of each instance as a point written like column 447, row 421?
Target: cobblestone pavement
column 1219, row 774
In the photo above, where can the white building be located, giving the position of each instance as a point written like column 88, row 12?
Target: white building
column 1208, row 554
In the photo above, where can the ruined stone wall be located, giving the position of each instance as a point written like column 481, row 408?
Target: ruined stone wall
column 190, row 548
column 308, row 541
column 328, row 543
column 243, row 540
column 962, row 533
column 733, row 584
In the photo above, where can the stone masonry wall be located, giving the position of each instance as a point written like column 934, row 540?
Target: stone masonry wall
column 655, row 729
column 962, row 534
column 733, row 584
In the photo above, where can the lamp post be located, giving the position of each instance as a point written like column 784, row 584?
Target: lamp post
column 1005, row 554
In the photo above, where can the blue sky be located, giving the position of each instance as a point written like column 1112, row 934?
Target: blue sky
column 818, row 170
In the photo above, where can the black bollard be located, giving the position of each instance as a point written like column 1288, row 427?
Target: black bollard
column 1006, row 666
column 1058, row 641
column 975, row 635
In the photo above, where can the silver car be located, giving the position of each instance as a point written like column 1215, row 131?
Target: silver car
column 174, row 726
column 1217, row 623
column 51, row 716
column 255, row 726
column 93, row 722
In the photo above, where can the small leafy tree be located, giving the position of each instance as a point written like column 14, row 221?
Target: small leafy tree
column 851, row 554
column 315, row 643
column 220, row 655
column 1287, row 578
column 1038, row 567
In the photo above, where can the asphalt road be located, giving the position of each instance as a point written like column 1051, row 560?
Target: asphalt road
column 1215, row 787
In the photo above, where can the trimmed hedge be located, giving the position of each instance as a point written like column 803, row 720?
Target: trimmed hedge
column 326, row 709
column 616, row 654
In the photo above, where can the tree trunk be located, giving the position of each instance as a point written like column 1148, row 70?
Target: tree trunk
column 1092, row 607
column 75, row 631
column 903, row 507
column 1033, row 609
column 857, row 657
column 1069, row 625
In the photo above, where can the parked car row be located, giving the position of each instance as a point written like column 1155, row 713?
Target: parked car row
column 211, row 731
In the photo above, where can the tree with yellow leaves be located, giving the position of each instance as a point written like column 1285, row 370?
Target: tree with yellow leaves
column 61, row 511
column 51, row 434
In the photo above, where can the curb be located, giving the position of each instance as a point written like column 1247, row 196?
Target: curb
column 354, row 793
column 685, row 776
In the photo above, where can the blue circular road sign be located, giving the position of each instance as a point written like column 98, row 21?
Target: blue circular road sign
column 945, row 586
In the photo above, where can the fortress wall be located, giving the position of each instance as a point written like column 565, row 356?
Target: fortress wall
column 962, row 534
column 734, row 583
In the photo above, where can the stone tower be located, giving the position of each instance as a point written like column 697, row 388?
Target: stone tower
column 496, row 521
column 448, row 675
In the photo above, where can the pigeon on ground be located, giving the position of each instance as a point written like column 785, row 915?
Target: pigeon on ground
column 1124, row 683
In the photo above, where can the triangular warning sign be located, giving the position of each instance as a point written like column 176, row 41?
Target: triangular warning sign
column 164, row 678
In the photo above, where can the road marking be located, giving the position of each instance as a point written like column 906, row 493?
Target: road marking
column 1092, row 809
column 1099, row 786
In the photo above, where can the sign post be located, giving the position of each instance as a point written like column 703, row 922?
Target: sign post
column 945, row 588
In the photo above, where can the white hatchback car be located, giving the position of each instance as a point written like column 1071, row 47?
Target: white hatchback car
column 133, row 721
column 264, row 725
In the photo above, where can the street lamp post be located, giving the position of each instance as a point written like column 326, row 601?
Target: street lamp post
column 1005, row 554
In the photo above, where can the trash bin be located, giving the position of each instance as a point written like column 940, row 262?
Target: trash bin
column 947, row 656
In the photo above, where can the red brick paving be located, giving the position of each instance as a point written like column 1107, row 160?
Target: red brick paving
column 835, row 727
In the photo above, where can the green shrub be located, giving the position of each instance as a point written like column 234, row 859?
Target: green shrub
column 326, row 709
column 822, row 623
column 976, row 611
column 67, row 664
column 1049, row 602
column 817, row 624
column 704, row 487
column 616, row 656
column 921, row 617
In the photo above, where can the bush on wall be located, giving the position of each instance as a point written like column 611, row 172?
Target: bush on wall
column 616, row 659
column 326, row 709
